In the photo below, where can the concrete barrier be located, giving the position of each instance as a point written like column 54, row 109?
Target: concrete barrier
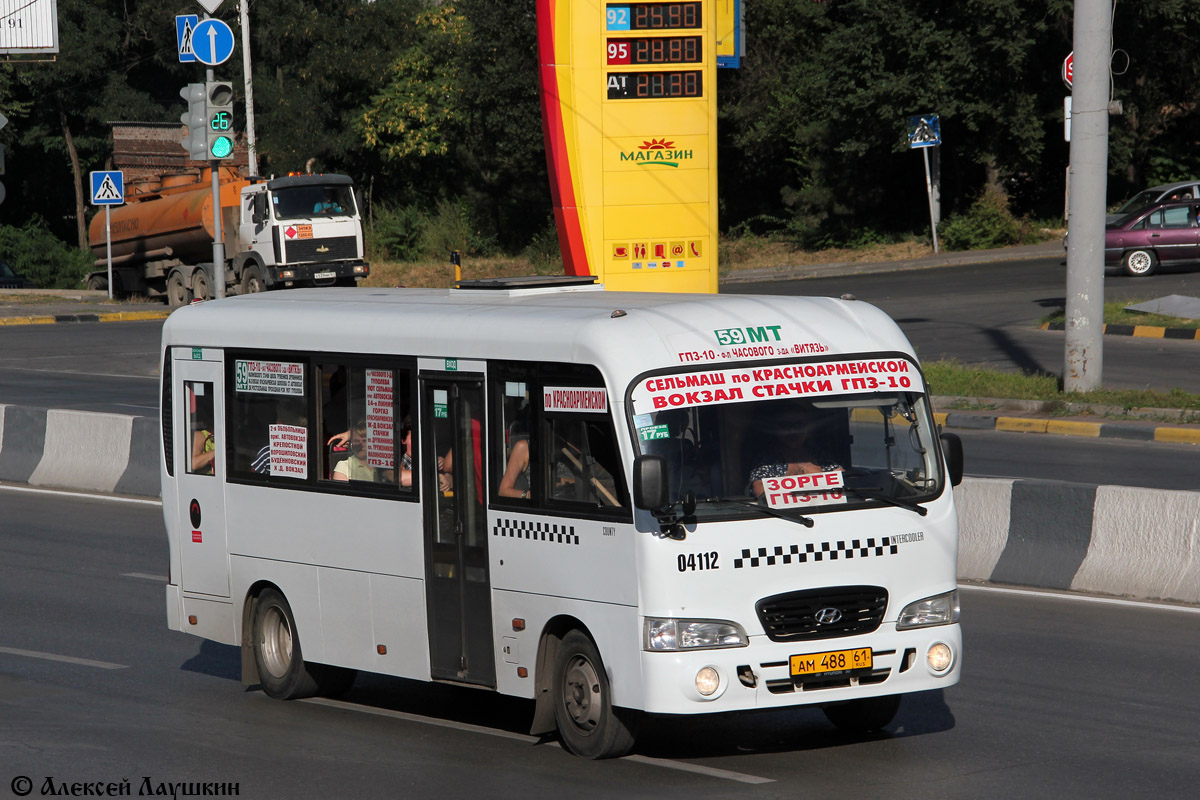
column 1116, row 540
column 80, row 450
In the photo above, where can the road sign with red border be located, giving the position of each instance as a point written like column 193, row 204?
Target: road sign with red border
column 1068, row 71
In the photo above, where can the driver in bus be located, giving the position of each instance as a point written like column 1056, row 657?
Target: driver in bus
column 793, row 453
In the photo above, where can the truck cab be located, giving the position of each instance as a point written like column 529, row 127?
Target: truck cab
column 299, row 230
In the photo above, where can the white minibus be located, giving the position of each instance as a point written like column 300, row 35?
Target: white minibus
column 612, row 504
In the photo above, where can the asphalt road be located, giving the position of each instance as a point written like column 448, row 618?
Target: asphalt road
column 1060, row 697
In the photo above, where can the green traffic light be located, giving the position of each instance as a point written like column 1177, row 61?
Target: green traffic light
column 222, row 146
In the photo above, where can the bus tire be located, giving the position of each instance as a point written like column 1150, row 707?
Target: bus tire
column 277, row 654
column 588, row 724
column 863, row 716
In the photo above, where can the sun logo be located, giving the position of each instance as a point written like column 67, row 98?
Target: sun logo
column 656, row 144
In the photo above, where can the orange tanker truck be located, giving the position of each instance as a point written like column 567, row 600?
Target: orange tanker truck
column 299, row 230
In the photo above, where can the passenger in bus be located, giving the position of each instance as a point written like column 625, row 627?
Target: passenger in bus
column 203, row 450
column 792, row 454
column 515, row 482
column 356, row 468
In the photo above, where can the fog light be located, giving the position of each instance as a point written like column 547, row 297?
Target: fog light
column 708, row 681
column 940, row 656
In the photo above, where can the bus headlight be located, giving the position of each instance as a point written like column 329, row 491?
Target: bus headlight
column 939, row 610
column 692, row 634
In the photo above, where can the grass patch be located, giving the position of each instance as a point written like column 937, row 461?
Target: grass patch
column 1115, row 314
column 440, row 274
column 956, row 379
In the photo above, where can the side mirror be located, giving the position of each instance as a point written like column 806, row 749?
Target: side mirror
column 952, row 447
column 650, row 482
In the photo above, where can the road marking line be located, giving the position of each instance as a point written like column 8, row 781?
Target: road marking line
column 83, row 495
column 86, row 662
column 1084, row 598
column 523, row 737
column 712, row 772
column 145, row 576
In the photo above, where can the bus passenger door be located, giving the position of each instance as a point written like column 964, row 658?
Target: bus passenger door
column 199, row 436
column 458, row 585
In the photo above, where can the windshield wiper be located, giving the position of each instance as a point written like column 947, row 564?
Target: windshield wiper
column 800, row 518
column 876, row 493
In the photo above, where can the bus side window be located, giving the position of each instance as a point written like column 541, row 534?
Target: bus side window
column 269, row 427
column 585, row 463
column 201, row 430
column 514, row 458
column 362, row 413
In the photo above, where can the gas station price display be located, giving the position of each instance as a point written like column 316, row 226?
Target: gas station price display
column 639, row 85
column 652, row 16
column 656, row 50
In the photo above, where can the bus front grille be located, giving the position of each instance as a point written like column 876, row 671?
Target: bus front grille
column 826, row 613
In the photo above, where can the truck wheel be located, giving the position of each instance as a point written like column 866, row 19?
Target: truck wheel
column 252, row 281
column 96, row 283
column 200, row 285
column 177, row 290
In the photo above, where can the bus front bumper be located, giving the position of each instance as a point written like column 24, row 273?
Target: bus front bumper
column 759, row 676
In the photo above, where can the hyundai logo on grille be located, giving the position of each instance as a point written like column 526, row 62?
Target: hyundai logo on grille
column 828, row 616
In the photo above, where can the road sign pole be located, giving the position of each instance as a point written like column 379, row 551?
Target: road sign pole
column 108, row 237
column 929, row 192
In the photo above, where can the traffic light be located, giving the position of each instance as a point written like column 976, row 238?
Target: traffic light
column 195, row 143
column 219, row 116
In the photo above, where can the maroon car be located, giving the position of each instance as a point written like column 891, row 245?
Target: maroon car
column 1166, row 234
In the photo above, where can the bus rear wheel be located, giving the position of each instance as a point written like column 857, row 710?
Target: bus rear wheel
column 277, row 654
column 587, row 722
column 863, row 716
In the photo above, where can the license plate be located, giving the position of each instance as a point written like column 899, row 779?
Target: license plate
column 320, row 275
column 835, row 662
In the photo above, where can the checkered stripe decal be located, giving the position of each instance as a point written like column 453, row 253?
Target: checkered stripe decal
column 825, row 551
column 539, row 531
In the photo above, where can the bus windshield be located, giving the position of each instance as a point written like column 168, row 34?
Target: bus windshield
column 803, row 452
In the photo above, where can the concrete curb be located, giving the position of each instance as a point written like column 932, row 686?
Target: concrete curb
column 1136, row 431
column 114, row 316
column 1116, row 540
column 1145, row 331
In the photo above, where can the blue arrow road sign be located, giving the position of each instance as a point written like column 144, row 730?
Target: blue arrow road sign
column 185, row 24
column 212, row 42
column 108, row 188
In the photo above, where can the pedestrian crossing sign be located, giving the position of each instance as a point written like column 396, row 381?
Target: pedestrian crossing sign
column 924, row 130
column 108, row 188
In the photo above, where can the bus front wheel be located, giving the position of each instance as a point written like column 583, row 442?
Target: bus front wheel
column 863, row 716
column 281, row 668
column 587, row 722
